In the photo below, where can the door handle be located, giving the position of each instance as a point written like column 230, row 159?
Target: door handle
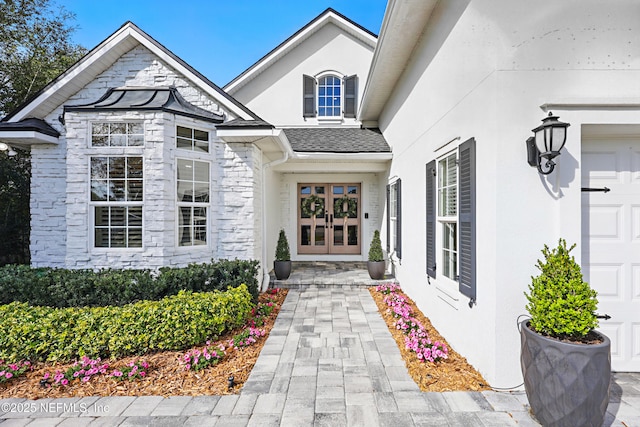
column 326, row 220
column 331, row 220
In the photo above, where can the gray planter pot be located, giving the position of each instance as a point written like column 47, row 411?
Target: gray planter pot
column 567, row 384
column 282, row 269
column 376, row 269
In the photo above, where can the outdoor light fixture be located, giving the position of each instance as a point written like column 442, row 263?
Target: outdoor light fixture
column 545, row 145
column 6, row 147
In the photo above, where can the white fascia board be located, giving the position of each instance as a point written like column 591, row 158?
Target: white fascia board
column 70, row 74
column 274, row 56
column 371, row 157
column 255, row 136
column 127, row 32
column 27, row 137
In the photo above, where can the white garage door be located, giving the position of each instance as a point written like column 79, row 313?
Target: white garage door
column 611, row 241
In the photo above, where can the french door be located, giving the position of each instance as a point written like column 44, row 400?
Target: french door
column 329, row 218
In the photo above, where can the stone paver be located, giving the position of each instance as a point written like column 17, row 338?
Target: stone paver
column 329, row 361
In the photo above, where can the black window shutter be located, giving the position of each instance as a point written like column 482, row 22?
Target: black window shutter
column 388, row 218
column 431, row 219
column 309, row 100
column 399, row 218
column 467, row 219
column 350, row 95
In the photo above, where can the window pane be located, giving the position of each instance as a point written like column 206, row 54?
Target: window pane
column 319, row 190
column 116, row 191
column 338, row 235
column 102, row 215
column 305, row 190
column 185, row 191
column 201, row 171
column 320, row 235
column 201, row 135
column 184, row 236
column 338, row 189
column 199, row 236
column 185, row 169
column 99, row 190
column 200, row 216
column 134, row 190
column 135, row 238
column 101, row 238
column 201, row 146
column 118, row 215
column 305, row 235
column 200, row 192
column 183, row 143
column 118, row 238
column 99, row 140
column 185, row 216
column 134, row 167
column 135, row 217
column 352, row 189
column 98, row 168
column 118, row 128
column 99, row 129
column 136, row 140
column 116, row 167
column 183, row 132
column 134, row 128
column 352, row 235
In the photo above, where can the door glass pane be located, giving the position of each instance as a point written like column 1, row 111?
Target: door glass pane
column 338, row 235
column 303, row 214
column 320, row 235
column 305, row 190
column 338, row 190
column 352, row 235
column 353, row 208
column 305, row 235
column 352, row 189
column 319, row 190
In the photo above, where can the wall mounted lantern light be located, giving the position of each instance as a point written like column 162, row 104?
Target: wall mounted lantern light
column 545, row 145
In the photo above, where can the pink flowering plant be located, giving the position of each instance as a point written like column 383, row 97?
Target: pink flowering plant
column 416, row 339
column 135, row 370
column 85, row 369
column 198, row 359
column 247, row 337
column 9, row 371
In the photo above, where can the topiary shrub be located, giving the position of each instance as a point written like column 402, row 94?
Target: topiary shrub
column 282, row 248
column 561, row 304
column 375, row 251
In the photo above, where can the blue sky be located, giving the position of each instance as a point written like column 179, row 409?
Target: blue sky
column 218, row 38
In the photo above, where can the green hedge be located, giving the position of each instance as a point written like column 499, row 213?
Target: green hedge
column 173, row 323
column 57, row 287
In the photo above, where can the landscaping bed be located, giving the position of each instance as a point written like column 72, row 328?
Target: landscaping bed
column 167, row 373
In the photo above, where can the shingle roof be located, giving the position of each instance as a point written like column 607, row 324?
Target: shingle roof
column 145, row 99
column 337, row 140
column 245, row 124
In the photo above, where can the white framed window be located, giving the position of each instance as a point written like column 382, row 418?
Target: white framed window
column 116, row 201
column 394, row 219
column 329, row 96
column 192, row 139
column 447, row 215
column 117, row 134
column 193, row 201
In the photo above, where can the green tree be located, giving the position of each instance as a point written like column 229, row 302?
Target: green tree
column 35, row 47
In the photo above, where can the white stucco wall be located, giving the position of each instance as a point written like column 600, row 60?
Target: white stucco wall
column 61, row 225
column 276, row 94
column 483, row 70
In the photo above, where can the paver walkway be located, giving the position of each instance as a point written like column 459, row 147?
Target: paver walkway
column 329, row 361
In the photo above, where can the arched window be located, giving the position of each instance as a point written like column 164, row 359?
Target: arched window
column 329, row 96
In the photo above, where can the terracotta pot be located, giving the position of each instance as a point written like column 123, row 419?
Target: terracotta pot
column 376, row 269
column 567, row 384
column 282, row 269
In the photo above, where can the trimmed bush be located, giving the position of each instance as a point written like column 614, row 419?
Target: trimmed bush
column 173, row 323
column 55, row 287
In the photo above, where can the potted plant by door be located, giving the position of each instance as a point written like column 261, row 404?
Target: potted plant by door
column 565, row 363
column 282, row 263
column 376, row 264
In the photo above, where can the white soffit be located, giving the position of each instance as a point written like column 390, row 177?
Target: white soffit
column 403, row 24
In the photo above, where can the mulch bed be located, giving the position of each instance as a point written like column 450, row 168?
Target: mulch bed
column 166, row 374
column 451, row 374
column 168, row 377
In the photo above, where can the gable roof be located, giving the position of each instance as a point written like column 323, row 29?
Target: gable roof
column 337, row 140
column 326, row 17
column 104, row 55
